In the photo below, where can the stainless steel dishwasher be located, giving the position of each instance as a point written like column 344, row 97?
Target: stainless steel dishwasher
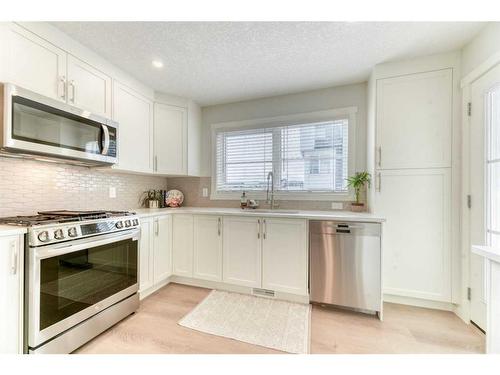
column 345, row 264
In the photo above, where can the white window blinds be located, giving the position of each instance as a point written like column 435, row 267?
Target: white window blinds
column 305, row 157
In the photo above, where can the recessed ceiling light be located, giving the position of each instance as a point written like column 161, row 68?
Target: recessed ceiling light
column 157, row 63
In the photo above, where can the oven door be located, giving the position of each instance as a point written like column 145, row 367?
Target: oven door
column 70, row 282
column 43, row 126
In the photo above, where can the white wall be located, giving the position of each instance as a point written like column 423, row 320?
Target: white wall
column 329, row 98
column 479, row 49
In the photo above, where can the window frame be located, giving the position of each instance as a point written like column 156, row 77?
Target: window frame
column 348, row 113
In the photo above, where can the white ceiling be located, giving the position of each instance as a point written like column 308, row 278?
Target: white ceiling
column 221, row 62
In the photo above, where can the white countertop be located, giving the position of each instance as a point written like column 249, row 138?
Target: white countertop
column 296, row 214
column 487, row 252
column 10, row 230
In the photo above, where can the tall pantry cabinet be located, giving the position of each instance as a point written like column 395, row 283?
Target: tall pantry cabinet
column 412, row 138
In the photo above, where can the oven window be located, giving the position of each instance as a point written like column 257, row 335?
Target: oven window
column 72, row 282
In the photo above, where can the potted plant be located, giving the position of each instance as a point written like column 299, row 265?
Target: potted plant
column 358, row 182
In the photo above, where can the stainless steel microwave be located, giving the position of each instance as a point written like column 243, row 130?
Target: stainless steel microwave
column 34, row 125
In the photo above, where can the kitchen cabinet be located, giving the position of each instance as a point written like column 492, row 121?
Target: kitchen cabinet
column 182, row 245
column 11, row 294
column 284, row 255
column 170, row 128
column 33, row 63
column 207, row 242
column 417, row 233
column 414, row 120
column 242, row 251
column 88, row 88
column 146, row 255
column 134, row 113
column 162, row 249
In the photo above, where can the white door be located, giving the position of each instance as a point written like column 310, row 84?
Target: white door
column 414, row 117
column 170, row 139
column 207, row 262
column 146, row 255
column 33, row 63
column 134, row 113
column 484, row 181
column 182, row 245
column 284, row 255
column 242, row 251
column 416, row 241
column 10, row 295
column 162, row 248
column 88, row 88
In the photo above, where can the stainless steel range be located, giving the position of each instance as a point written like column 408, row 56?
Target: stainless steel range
column 81, row 272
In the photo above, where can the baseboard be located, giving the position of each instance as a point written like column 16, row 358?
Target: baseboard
column 411, row 301
column 144, row 293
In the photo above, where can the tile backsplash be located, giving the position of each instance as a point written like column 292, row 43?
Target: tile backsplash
column 192, row 187
column 27, row 186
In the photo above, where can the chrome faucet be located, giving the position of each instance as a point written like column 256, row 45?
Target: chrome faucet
column 270, row 176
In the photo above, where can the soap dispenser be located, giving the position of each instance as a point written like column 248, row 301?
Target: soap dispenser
column 243, row 200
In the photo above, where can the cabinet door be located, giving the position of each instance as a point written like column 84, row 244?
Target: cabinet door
column 182, row 234
column 416, row 239
column 146, row 255
column 207, row 263
column 133, row 112
column 33, row 63
column 242, row 252
column 170, row 139
column 414, row 117
column 162, row 249
column 88, row 88
column 11, row 295
column 284, row 255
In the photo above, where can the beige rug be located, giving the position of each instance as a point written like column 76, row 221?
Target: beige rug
column 261, row 321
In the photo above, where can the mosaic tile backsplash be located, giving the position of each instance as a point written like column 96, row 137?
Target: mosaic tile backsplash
column 27, row 186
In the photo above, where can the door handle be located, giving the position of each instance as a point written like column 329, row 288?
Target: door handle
column 157, row 227
column 265, row 228
column 73, row 91
column 258, row 228
column 61, row 87
column 105, row 145
column 13, row 258
column 218, row 226
column 155, row 167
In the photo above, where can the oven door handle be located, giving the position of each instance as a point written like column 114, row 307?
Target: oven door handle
column 50, row 251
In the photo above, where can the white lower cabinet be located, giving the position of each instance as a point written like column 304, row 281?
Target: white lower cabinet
column 182, row 234
column 242, row 251
column 207, row 243
column 284, row 255
column 155, row 251
column 11, row 294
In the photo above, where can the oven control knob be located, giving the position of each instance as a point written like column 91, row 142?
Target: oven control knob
column 136, row 222
column 44, row 236
column 72, row 232
column 58, row 234
column 119, row 224
column 127, row 223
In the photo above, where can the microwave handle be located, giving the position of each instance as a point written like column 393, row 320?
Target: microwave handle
column 105, row 146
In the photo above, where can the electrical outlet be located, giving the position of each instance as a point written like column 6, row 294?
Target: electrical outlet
column 205, row 192
column 337, row 205
column 112, row 192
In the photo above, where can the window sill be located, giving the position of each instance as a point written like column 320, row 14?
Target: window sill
column 306, row 196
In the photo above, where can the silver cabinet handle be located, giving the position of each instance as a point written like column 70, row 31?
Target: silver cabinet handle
column 265, row 228
column 258, row 228
column 73, row 91
column 13, row 257
column 157, row 227
column 155, row 167
column 379, row 158
column 379, row 182
column 218, row 226
column 61, row 87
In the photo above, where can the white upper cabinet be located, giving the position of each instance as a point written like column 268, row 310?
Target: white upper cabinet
column 417, row 234
column 242, row 251
column 33, row 63
column 414, row 120
column 88, row 88
column 11, row 294
column 207, row 262
column 182, row 235
column 134, row 114
column 162, row 248
column 170, row 139
column 284, row 255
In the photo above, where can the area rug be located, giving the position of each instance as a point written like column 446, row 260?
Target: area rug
column 271, row 323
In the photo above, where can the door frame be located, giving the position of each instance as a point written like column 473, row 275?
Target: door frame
column 464, row 308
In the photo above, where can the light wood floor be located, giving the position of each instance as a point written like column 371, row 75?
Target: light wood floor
column 154, row 329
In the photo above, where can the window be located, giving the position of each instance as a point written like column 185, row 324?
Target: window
column 308, row 156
